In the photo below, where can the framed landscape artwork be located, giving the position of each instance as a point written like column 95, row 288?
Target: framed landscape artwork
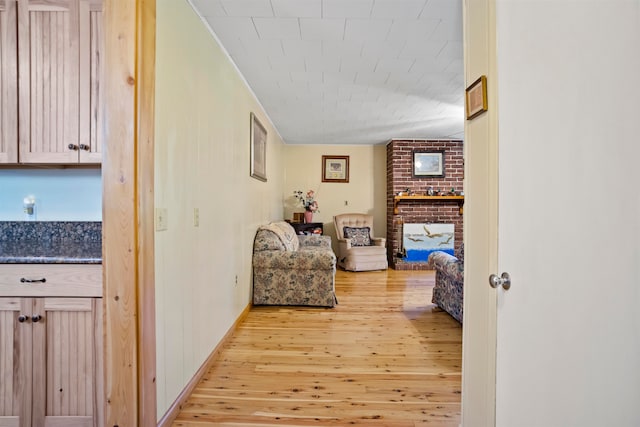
column 428, row 164
column 258, row 149
column 335, row 168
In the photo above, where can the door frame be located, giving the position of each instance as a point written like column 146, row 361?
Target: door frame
column 128, row 218
column 479, row 334
column 128, row 206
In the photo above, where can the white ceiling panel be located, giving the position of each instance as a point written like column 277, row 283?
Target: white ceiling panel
column 452, row 50
column 396, row 66
column 367, row 29
column 247, row 8
column 383, row 49
column 347, row 8
column 264, row 48
column 297, row 8
column 322, row 63
column 456, row 66
column 420, row 49
column 430, row 65
column 348, row 71
column 446, row 10
column 306, row 76
column 371, row 79
column 285, row 64
column 277, row 28
column 397, row 8
column 405, row 29
column 341, row 48
column 341, row 77
column 358, row 64
column 448, row 30
column 322, row 29
column 302, row 47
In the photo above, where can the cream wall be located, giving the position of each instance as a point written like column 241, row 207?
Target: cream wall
column 365, row 192
column 203, row 274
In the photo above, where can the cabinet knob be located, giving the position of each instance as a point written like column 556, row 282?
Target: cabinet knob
column 22, row 318
column 73, row 147
column 84, row 147
column 36, row 318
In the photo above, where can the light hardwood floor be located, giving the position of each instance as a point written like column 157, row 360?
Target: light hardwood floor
column 385, row 356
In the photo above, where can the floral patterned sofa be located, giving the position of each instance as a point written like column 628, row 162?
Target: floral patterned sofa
column 289, row 269
column 448, row 290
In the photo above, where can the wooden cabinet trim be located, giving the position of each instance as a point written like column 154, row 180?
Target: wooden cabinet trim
column 8, row 83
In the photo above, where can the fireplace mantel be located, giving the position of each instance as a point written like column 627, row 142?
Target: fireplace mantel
column 427, row 199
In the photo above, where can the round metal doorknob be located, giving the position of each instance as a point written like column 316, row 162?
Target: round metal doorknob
column 503, row 280
column 22, row 318
column 84, row 147
column 72, row 147
column 36, row 318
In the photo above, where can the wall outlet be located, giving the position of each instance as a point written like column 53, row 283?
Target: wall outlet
column 162, row 219
column 196, row 217
column 236, row 284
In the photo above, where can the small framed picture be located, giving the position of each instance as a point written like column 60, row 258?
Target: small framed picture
column 258, row 149
column 335, row 168
column 476, row 98
column 428, row 164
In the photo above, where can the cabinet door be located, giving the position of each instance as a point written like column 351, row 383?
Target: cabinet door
column 91, row 39
column 48, row 81
column 67, row 380
column 15, row 363
column 8, row 83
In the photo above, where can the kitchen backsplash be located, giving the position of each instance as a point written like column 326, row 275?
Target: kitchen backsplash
column 43, row 231
column 60, row 194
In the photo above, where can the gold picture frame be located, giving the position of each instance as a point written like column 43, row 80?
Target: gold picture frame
column 476, row 98
column 335, row 168
column 258, row 150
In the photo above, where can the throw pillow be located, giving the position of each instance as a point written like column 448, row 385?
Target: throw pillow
column 360, row 236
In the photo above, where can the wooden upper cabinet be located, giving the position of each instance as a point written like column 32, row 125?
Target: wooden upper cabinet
column 59, row 68
column 8, row 83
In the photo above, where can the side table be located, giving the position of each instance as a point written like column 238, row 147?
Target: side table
column 307, row 228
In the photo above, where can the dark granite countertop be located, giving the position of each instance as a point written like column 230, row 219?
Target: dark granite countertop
column 51, row 242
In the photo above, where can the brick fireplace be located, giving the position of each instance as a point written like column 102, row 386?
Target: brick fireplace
column 400, row 179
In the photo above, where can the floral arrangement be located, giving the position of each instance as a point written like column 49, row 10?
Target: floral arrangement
column 308, row 200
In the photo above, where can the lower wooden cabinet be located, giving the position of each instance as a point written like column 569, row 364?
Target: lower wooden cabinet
column 50, row 362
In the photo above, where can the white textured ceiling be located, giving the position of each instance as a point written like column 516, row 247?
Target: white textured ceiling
column 348, row 71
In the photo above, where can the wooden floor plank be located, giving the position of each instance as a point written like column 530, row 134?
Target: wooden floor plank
column 385, row 356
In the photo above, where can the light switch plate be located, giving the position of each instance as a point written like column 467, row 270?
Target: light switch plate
column 162, row 220
column 196, row 217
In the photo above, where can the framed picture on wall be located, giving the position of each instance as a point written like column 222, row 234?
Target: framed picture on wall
column 476, row 97
column 428, row 164
column 335, row 168
column 258, row 135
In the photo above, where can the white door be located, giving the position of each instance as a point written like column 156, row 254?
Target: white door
column 568, row 330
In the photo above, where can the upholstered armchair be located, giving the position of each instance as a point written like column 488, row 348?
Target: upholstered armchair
column 358, row 250
column 448, row 291
column 292, row 270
